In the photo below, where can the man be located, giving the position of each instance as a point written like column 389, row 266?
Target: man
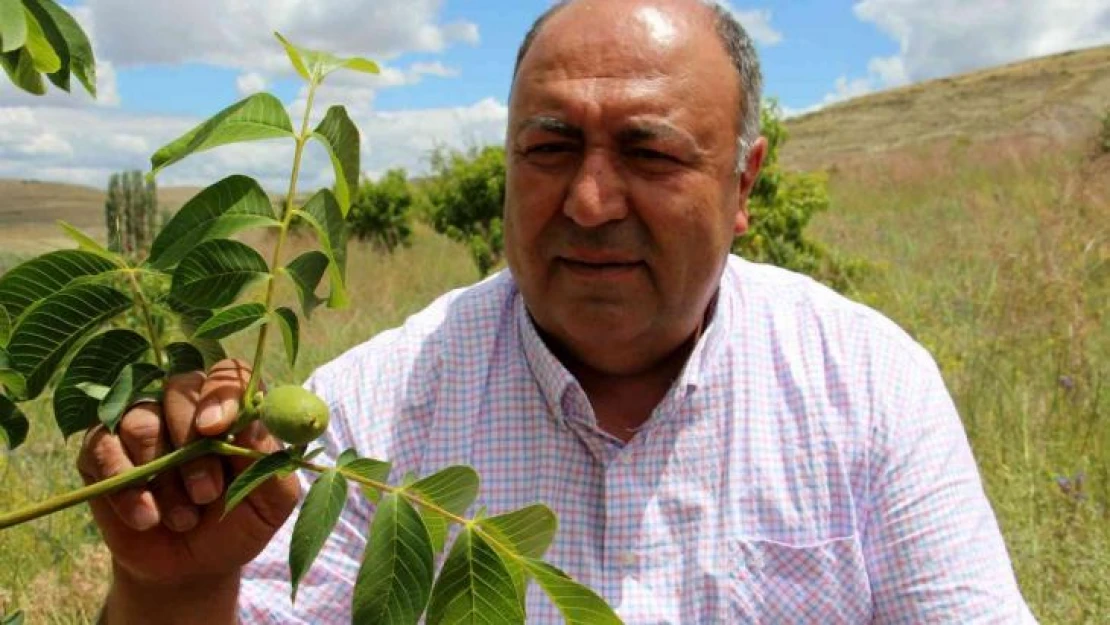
column 723, row 442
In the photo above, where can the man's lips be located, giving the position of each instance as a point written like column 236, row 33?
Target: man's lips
column 600, row 266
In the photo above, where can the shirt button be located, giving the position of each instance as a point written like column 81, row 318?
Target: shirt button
column 629, row 560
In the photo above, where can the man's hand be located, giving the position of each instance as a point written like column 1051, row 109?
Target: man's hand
column 166, row 538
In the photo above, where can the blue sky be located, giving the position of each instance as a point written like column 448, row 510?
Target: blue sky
column 165, row 65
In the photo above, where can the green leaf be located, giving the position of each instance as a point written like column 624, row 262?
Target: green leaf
column 132, row 381
column 228, row 207
column 259, row 116
column 254, row 476
column 13, row 424
column 340, row 136
column 527, row 531
column 190, row 318
column 474, row 586
column 41, row 276
column 578, row 604
column 184, row 358
column 94, row 391
column 323, row 214
column 5, row 326
column 43, row 57
column 396, row 575
column 11, row 379
column 231, row 320
column 453, row 489
column 315, row 522
column 20, row 68
column 315, row 65
column 16, row 618
column 216, row 272
column 305, row 271
column 13, row 25
column 69, row 42
column 290, row 332
column 368, row 468
column 294, row 57
column 47, row 331
column 99, row 361
column 88, row 244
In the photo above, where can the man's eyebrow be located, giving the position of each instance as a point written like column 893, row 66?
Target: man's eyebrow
column 649, row 131
column 553, row 125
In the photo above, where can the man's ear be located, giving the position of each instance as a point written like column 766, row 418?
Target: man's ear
column 747, row 180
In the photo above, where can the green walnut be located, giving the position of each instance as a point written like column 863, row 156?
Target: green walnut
column 294, row 414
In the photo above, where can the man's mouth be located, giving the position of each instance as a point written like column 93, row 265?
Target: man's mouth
column 600, row 268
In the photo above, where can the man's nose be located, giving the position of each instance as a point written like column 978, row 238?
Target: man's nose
column 597, row 194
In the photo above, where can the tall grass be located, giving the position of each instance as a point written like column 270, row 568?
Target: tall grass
column 995, row 257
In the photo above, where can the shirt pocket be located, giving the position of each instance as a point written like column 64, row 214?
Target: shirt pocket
column 824, row 582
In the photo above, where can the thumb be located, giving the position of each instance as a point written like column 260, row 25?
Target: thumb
column 219, row 401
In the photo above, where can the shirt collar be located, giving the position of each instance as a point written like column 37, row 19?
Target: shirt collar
column 554, row 380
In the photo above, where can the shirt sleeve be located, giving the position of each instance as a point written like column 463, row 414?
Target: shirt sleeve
column 933, row 547
column 324, row 594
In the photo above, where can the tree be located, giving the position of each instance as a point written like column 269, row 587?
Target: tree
column 781, row 206
column 382, row 211
column 465, row 196
column 131, row 213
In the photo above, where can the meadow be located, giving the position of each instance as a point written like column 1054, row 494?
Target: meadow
column 995, row 255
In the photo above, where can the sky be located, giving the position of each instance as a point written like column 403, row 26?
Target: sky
column 166, row 65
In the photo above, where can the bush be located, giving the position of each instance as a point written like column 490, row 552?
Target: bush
column 782, row 204
column 464, row 198
column 381, row 211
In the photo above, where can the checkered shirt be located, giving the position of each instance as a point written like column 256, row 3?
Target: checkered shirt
column 807, row 466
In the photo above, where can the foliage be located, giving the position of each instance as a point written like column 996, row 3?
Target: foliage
column 382, row 211
column 465, row 197
column 59, row 314
column 131, row 213
column 781, row 205
column 39, row 38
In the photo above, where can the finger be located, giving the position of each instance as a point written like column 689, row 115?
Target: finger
column 220, row 395
column 103, row 456
column 180, row 398
column 274, row 500
column 144, row 437
column 204, row 479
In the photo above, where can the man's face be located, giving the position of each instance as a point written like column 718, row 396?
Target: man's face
column 622, row 196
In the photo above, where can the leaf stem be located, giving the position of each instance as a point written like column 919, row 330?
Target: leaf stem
column 111, row 485
column 148, row 319
column 286, row 221
column 233, row 450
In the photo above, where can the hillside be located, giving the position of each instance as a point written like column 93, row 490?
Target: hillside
column 1054, row 99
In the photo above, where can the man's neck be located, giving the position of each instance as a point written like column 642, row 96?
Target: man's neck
column 623, row 403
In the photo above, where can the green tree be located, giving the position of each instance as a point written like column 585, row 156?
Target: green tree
column 781, row 206
column 131, row 213
column 464, row 196
column 382, row 211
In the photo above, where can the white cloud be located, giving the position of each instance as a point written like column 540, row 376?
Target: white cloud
column 238, row 34
column 86, row 145
column 758, row 24
column 250, row 82
column 944, row 37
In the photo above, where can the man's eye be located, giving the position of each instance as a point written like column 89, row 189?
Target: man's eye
column 548, row 148
column 650, row 154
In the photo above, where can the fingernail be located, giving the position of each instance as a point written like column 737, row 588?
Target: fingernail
column 145, row 517
column 209, row 415
column 201, row 488
column 183, row 519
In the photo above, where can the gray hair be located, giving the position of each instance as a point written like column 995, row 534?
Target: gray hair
column 741, row 51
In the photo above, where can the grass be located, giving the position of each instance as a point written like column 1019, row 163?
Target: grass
column 995, row 256
column 996, row 259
